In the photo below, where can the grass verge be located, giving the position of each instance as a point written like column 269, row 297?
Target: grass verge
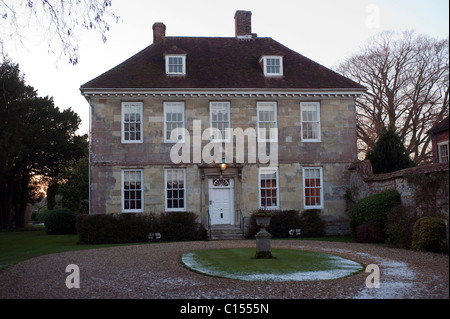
column 17, row 246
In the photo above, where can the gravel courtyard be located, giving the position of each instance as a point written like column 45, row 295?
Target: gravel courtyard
column 154, row 271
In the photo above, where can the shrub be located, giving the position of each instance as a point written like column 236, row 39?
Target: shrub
column 179, row 226
column 400, row 224
column 97, row 229
column 429, row 234
column 134, row 228
column 60, row 221
column 311, row 224
column 368, row 233
column 42, row 215
column 374, row 209
column 280, row 223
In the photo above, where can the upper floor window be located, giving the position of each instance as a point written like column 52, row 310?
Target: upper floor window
column 272, row 65
column 176, row 64
column 132, row 122
column 173, row 122
column 443, row 152
column 310, row 118
column 220, row 121
column 267, row 121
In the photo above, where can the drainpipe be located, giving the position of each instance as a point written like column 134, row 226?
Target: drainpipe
column 90, row 139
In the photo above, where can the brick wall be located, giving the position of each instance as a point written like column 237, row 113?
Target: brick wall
column 364, row 183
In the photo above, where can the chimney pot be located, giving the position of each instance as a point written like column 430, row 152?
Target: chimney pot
column 159, row 31
column 243, row 24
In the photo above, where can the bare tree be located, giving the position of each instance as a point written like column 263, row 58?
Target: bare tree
column 60, row 19
column 407, row 81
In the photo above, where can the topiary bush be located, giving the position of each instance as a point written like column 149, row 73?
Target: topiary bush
column 368, row 233
column 429, row 234
column 60, row 221
column 311, row 224
column 374, row 209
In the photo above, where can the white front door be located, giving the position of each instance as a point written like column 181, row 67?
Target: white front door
column 221, row 201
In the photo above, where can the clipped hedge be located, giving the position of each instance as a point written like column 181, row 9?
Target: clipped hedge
column 134, row 228
column 429, row 234
column 179, row 226
column 60, row 221
column 374, row 209
column 311, row 224
column 282, row 221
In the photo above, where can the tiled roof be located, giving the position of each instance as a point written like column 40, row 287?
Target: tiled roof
column 219, row 63
column 440, row 126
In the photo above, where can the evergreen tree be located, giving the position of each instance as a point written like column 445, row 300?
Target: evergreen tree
column 389, row 153
column 36, row 139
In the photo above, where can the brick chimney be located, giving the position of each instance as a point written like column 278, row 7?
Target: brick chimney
column 243, row 23
column 159, row 31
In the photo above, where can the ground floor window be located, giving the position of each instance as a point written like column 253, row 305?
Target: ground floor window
column 132, row 199
column 268, row 187
column 312, row 187
column 175, row 181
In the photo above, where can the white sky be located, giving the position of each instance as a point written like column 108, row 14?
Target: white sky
column 326, row 31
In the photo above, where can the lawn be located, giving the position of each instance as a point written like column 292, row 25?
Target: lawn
column 17, row 246
column 288, row 264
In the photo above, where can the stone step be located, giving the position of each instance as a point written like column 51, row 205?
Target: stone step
column 225, row 232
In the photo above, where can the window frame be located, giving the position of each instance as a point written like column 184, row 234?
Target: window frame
column 183, row 66
column 131, row 210
column 316, row 105
column 439, row 151
column 167, row 209
column 166, row 105
column 265, row 60
column 261, row 171
column 321, row 205
column 227, row 137
column 124, row 105
column 259, row 107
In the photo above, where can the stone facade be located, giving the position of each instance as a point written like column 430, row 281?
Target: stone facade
column 249, row 82
column 334, row 154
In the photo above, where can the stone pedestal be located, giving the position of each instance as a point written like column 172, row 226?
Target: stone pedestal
column 263, row 238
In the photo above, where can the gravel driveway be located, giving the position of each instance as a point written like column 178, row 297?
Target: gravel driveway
column 154, row 271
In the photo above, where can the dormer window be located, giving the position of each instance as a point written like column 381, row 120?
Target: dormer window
column 175, row 64
column 272, row 65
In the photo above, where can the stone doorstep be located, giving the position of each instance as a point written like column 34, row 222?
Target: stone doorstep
column 225, row 232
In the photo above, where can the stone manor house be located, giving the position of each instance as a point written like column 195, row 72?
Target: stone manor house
column 192, row 96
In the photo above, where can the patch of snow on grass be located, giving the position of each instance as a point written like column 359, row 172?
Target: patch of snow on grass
column 343, row 268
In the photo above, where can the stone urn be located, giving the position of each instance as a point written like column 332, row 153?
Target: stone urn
column 263, row 238
column 263, row 221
